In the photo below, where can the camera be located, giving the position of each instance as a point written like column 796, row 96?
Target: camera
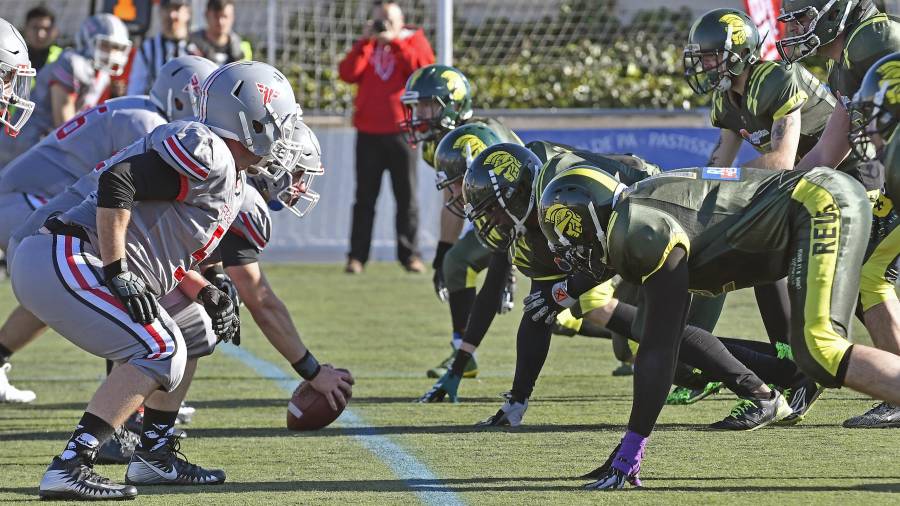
column 379, row 26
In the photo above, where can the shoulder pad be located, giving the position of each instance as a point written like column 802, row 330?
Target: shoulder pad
column 766, row 82
column 72, row 70
column 253, row 222
column 871, row 39
column 192, row 149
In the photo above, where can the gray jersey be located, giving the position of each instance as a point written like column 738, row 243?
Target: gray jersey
column 253, row 221
column 165, row 239
column 74, row 73
column 75, row 148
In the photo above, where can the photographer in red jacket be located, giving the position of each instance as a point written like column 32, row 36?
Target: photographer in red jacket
column 379, row 64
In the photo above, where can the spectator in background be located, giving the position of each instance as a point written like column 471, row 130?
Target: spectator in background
column 171, row 42
column 380, row 63
column 217, row 42
column 40, row 34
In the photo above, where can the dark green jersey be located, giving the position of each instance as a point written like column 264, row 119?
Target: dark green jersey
column 530, row 252
column 774, row 90
column 875, row 36
column 505, row 134
column 731, row 244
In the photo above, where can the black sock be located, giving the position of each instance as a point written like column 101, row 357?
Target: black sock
column 760, row 358
column 460, row 307
column 459, row 362
column 591, row 329
column 532, row 346
column 157, row 429
column 91, row 432
column 5, row 353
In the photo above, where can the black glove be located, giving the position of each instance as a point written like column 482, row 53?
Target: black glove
column 217, row 277
column 440, row 288
column 541, row 307
column 131, row 291
column 220, row 309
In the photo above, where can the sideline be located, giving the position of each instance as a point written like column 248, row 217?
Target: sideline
column 403, row 465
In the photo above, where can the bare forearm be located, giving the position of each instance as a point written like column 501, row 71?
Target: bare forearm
column 112, row 225
column 192, row 283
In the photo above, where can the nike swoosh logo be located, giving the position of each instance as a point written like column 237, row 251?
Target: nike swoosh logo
column 171, row 475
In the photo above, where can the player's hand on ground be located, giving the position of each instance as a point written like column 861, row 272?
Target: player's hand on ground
column 445, row 387
column 613, row 479
column 220, row 310
column 334, row 384
column 132, row 292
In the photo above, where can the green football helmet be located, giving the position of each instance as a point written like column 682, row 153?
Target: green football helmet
column 454, row 154
column 876, row 106
column 826, row 20
column 574, row 213
column 445, row 92
column 499, row 194
column 729, row 40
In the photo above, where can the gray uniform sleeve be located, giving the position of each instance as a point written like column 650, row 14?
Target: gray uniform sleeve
column 253, row 222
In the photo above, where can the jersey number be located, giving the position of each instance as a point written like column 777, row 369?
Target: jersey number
column 201, row 254
column 75, row 123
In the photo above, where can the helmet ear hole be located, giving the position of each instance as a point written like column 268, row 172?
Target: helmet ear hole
column 257, row 126
column 179, row 105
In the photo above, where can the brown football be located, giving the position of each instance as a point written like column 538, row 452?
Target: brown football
column 309, row 410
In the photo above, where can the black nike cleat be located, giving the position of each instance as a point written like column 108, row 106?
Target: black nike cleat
column 752, row 414
column 881, row 416
column 74, row 479
column 167, row 466
column 800, row 396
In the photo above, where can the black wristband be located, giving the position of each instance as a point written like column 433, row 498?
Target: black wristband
column 442, row 249
column 307, row 367
column 115, row 268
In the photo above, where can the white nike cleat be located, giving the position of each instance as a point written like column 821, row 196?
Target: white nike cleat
column 164, row 467
column 9, row 393
column 509, row 415
column 73, row 479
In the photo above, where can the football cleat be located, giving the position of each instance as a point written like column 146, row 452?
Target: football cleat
column 120, row 448
column 167, row 466
column 752, row 414
column 881, row 416
column 471, row 370
column 625, row 369
column 75, row 479
column 800, row 397
column 445, row 387
column 680, row 396
column 614, row 479
column 9, row 393
column 185, row 414
column 509, row 415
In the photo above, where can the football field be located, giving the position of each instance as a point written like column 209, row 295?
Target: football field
column 387, row 327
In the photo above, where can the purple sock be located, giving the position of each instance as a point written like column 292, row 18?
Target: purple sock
column 628, row 458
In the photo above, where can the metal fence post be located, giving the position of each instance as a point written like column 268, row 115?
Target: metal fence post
column 270, row 32
column 445, row 32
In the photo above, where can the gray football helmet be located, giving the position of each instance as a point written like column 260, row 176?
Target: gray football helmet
column 17, row 76
column 103, row 39
column 177, row 86
column 291, row 188
column 253, row 103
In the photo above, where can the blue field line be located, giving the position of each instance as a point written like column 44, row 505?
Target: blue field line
column 427, row 487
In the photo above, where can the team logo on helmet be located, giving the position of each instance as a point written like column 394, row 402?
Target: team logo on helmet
column 455, row 84
column 890, row 82
column 564, row 220
column 475, row 144
column 736, row 27
column 504, row 164
column 269, row 94
column 193, row 86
